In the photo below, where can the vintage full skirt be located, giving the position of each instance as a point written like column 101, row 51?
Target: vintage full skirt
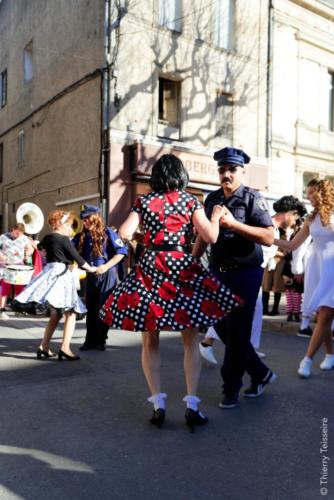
column 167, row 291
column 54, row 287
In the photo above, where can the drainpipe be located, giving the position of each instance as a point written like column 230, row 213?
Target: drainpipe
column 269, row 78
column 105, row 105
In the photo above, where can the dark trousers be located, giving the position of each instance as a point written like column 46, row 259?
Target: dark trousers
column 235, row 330
column 98, row 288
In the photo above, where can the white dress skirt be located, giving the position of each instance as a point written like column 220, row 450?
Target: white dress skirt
column 54, row 287
column 320, row 265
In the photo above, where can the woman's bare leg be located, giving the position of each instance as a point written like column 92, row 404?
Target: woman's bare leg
column 192, row 360
column 49, row 330
column 69, row 326
column 322, row 332
column 150, row 359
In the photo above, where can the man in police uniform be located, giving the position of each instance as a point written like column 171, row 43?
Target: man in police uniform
column 236, row 260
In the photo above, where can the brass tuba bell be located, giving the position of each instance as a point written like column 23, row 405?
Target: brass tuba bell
column 31, row 216
column 77, row 225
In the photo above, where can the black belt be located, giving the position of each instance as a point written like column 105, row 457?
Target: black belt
column 165, row 248
column 227, row 267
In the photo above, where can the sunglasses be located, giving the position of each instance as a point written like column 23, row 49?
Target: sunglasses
column 232, row 169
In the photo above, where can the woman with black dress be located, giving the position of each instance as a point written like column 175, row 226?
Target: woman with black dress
column 55, row 287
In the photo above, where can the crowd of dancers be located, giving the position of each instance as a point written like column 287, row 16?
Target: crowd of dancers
column 171, row 286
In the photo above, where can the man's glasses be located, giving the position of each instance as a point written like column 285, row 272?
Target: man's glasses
column 232, row 169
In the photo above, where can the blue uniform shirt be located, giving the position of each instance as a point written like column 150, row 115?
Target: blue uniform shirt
column 249, row 207
column 112, row 245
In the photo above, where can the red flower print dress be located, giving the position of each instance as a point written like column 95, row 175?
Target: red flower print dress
column 167, row 290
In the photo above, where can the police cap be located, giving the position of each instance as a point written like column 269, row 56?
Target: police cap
column 88, row 210
column 231, row 156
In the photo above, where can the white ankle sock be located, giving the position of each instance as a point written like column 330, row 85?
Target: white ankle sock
column 308, row 360
column 305, row 323
column 192, row 401
column 158, row 400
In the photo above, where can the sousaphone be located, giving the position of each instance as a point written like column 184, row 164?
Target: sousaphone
column 31, row 216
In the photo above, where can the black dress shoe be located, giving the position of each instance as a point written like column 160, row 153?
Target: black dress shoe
column 158, row 417
column 47, row 354
column 62, row 354
column 87, row 347
column 101, row 347
column 274, row 312
column 194, row 418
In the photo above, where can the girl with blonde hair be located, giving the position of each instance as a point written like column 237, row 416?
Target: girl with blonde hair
column 320, row 226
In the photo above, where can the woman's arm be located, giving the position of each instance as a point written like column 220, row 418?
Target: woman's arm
column 129, row 226
column 208, row 229
column 103, row 268
column 297, row 240
column 199, row 247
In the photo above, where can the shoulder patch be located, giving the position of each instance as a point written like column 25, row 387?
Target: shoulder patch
column 119, row 242
column 262, row 204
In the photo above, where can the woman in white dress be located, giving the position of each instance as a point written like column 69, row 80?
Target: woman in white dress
column 320, row 226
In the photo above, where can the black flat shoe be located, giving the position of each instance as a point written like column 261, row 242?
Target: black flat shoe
column 194, row 418
column 47, row 354
column 158, row 417
column 66, row 356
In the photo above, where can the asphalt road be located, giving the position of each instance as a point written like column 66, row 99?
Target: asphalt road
column 80, row 430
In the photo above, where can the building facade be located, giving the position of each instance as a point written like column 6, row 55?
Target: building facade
column 51, row 55
column 302, row 139
column 187, row 78
column 94, row 91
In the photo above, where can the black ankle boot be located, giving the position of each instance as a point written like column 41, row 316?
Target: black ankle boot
column 265, row 302
column 277, row 299
column 194, row 418
column 158, row 417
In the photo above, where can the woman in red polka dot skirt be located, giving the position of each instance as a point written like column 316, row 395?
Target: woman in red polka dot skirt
column 169, row 289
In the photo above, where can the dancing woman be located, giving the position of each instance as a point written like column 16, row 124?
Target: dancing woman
column 100, row 246
column 320, row 225
column 55, row 287
column 168, row 289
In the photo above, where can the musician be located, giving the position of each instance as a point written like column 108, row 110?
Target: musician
column 15, row 248
column 101, row 247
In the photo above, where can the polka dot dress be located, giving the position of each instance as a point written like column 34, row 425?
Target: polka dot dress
column 167, row 290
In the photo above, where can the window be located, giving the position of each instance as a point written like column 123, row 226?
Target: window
column 170, row 14
column 21, row 148
column 223, row 24
column 169, row 94
column 28, row 62
column 224, row 115
column 1, row 162
column 307, row 177
column 330, row 178
column 331, row 101
column 3, row 86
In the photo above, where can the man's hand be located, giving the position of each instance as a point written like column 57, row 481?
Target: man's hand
column 217, row 212
column 227, row 220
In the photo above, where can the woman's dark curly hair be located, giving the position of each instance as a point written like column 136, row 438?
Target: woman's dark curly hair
column 168, row 174
column 290, row 204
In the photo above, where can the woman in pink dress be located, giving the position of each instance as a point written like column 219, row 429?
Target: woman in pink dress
column 168, row 289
